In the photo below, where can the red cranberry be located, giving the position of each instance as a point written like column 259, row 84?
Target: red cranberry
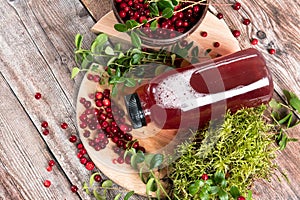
column 80, row 146
column 246, row 22
column 106, row 102
column 98, row 95
column 236, row 6
column 128, row 137
column 271, row 51
column 97, row 178
column 83, row 151
column 51, row 163
column 73, row 138
column 97, row 78
column 44, row 124
column 90, row 77
column 86, row 133
column 122, row 14
column 79, row 155
column 90, row 165
column 236, row 33
column 203, row 33
column 241, row 198
column 74, row 188
column 45, row 132
column 83, row 160
column 220, row 16
column 87, row 104
column 47, row 183
column 82, row 100
column 142, row 149
column 49, row 168
column 254, row 41
column 135, row 145
column 37, row 95
column 204, row 177
column 196, row 9
column 185, row 24
column 64, row 125
column 120, row 160
column 216, row 44
column 83, row 125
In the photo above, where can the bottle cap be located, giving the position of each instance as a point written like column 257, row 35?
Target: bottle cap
column 135, row 110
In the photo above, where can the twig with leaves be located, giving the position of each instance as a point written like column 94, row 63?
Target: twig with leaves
column 284, row 117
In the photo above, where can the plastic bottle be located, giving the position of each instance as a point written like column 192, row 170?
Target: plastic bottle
column 190, row 97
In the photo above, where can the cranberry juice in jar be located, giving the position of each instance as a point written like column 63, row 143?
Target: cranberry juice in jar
column 190, row 97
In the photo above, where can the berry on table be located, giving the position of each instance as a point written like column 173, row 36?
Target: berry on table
column 254, row 41
column 216, row 44
column 64, row 125
column 220, row 16
column 90, row 165
column 203, row 33
column 271, row 51
column 37, row 95
column 236, row 6
column 51, row 163
column 74, row 188
column 44, row 124
column 47, row 183
column 236, row 33
column 97, row 178
column 246, row 21
column 73, row 138
column 241, row 198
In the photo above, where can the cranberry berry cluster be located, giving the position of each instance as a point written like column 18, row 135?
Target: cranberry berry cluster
column 160, row 19
column 102, row 121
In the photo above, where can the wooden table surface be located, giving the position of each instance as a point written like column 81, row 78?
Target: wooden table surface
column 36, row 55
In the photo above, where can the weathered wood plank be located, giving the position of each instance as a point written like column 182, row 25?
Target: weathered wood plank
column 36, row 56
column 24, row 156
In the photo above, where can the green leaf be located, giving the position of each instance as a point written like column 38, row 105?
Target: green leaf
column 92, row 178
column 219, row 177
column 204, row 195
column 148, row 159
column 118, row 196
column 111, row 61
column 207, row 51
column 128, row 195
column 288, row 125
column 224, row 183
column 107, row 184
column 121, row 27
column 283, row 120
column 114, row 91
column 153, row 25
column 173, row 57
column 249, row 196
column 288, row 95
column 85, row 188
column 234, row 191
column 109, row 51
column 98, row 196
column 195, row 51
column 295, row 103
column 162, row 4
column 117, row 47
column 135, row 39
column 222, row 195
column 194, row 187
column 189, row 46
column 214, row 189
column 131, row 23
column 175, row 2
column 209, row 182
column 156, row 161
column 167, row 13
column 75, row 71
column 130, row 82
column 274, row 104
column 154, row 9
column 151, row 186
column 283, row 142
column 142, row 175
column 136, row 58
column 78, row 41
column 101, row 39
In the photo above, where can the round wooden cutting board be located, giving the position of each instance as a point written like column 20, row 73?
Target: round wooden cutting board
column 154, row 140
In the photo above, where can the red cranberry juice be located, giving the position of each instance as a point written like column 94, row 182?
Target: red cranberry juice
column 192, row 96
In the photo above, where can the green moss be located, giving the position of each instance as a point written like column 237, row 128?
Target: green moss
column 241, row 147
